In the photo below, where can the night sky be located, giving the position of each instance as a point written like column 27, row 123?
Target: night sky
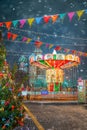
column 76, row 30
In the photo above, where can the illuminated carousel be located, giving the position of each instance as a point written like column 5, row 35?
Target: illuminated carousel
column 54, row 65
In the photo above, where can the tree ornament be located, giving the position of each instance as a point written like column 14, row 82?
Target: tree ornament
column 12, row 107
column 1, row 109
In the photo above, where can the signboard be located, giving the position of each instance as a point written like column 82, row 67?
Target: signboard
column 81, row 91
column 44, row 92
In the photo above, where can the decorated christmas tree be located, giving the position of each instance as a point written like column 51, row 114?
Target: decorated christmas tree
column 11, row 110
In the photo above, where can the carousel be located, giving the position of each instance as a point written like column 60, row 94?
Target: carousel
column 55, row 65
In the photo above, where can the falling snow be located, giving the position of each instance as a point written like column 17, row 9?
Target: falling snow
column 63, row 31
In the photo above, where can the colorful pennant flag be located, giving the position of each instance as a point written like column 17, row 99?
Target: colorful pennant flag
column 15, row 22
column 38, row 44
column 38, row 20
column 47, row 45
column 66, row 50
column 30, row 21
column 8, row 25
column 80, row 13
column 70, row 15
column 50, row 46
column 22, row 22
column 1, row 24
column 58, row 48
column 46, row 19
column 74, row 52
column 9, row 35
column 54, row 18
column 61, row 16
column 28, row 40
column 14, row 36
column 24, row 39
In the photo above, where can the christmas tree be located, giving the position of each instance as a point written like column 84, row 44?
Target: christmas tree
column 11, row 110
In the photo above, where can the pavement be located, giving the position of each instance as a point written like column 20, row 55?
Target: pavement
column 59, row 115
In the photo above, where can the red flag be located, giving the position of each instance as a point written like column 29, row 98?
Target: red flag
column 73, row 51
column 38, row 43
column 58, row 48
column 46, row 19
column 1, row 24
column 9, row 35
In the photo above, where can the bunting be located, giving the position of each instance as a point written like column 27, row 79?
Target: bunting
column 22, row 22
column 38, row 20
column 24, row 39
column 9, row 35
column 74, row 52
column 28, row 40
column 70, row 15
column 58, row 48
column 66, row 50
column 30, row 21
column 45, row 18
column 15, row 22
column 54, row 18
column 14, row 36
column 1, row 24
column 38, row 44
column 8, row 25
column 62, row 16
column 80, row 13
column 50, row 46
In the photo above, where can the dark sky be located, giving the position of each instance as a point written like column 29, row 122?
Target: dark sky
column 19, row 9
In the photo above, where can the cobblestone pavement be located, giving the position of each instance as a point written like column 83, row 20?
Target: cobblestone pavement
column 28, row 125
column 60, row 117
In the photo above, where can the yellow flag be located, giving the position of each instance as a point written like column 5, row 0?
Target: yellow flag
column 30, row 21
column 28, row 40
column 80, row 13
column 50, row 46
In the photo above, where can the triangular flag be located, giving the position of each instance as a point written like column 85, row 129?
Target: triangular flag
column 14, row 36
column 38, row 20
column 50, row 46
column 15, row 22
column 86, row 11
column 70, row 15
column 62, row 16
column 58, row 48
column 22, row 22
column 9, row 35
column 80, row 13
column 66, row 50
column 28, row 40
column 79, row 53
column 38, row 43
column 74, row 51
column 8, row 24
column 30, row 21
column 1, row 24
column 47, row 45
column 24, row 39
column 46, row 19
column 54, row 18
